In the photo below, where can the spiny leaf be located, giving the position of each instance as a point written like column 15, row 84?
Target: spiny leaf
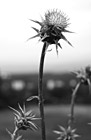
column 21, row 109
column 57, row 132
column 34, row 37
column 15, row 120
column 64, row 38
column 24, row 109
column 35, row 29
column 15, row 110
column 59, row 45
column 19, row 137
column 29, row 113
column 76, row 135
column 68, row 31
column 35, row 118
column 73, row 130
column 60, row 138
column 17, row 116
column 40, row 23
column 30, row 116
column 33, row 126
column 32, row 97
column 57, row 49
column 62, row 128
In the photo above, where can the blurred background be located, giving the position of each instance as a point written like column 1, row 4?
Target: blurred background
column 19, row 64
column 57, row 89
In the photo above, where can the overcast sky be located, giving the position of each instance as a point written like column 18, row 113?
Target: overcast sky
column 19, row 55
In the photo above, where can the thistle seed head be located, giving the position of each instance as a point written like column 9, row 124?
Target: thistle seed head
column 56, row 18
column 53, row 24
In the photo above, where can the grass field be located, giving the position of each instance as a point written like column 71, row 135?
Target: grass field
column 55, row 115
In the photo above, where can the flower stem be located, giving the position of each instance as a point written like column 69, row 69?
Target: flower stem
column 73, row 103
column 40, row 91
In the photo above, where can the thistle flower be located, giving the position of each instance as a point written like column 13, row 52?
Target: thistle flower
column 23, row 119
column 84, row 75
column 66, row 134
column 52, row 26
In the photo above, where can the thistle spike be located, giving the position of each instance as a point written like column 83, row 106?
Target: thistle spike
column 17, row 116
column 35, row 29
column 35, row 127
column 56, row 48
column 59, row 45
column 57, row 132
column 40, row 23
column 68, row 31
column 22, row 111
column 29, row 113
column 15, row 110
column 64, row 38
column 34, row 37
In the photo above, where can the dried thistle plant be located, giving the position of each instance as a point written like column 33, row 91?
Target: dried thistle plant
column 24, row 120
column 66, row 133
column 51, row 27
column 84, row 77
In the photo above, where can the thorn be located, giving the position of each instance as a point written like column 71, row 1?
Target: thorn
column 40, row 23
column 64, row 38
column 33, row 37
column 68, row 31
column 15, row 110
column 35, row 29
column 59, row 45
column 57, row 49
